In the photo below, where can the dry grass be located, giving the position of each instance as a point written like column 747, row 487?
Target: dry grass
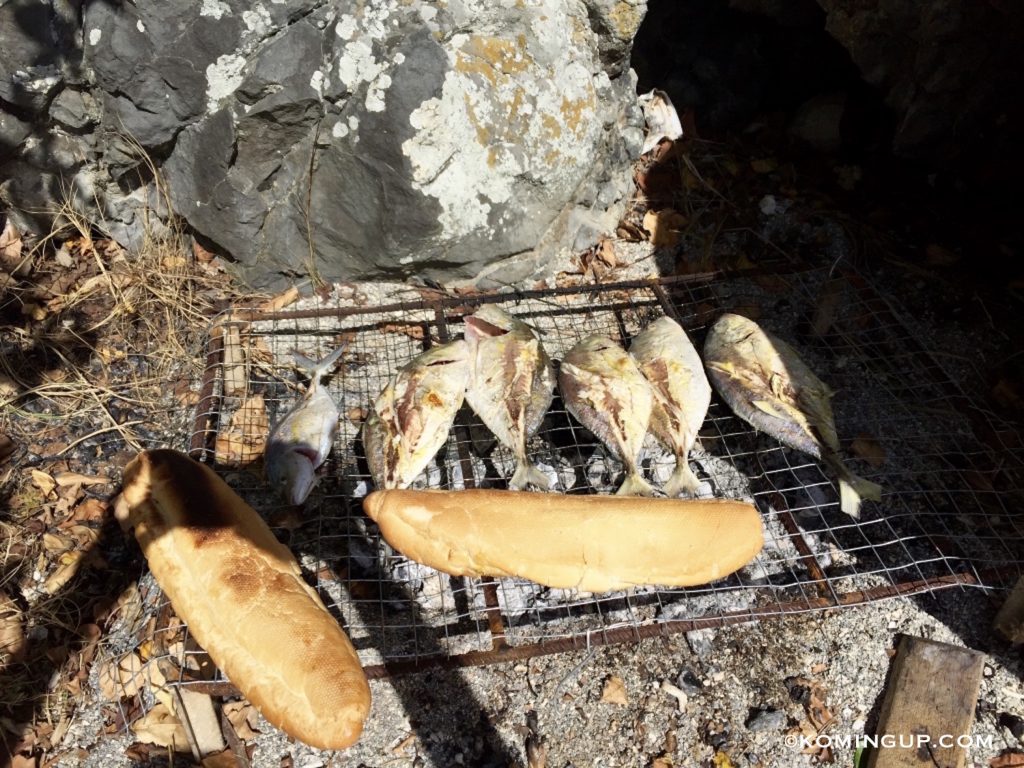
column 92, row 338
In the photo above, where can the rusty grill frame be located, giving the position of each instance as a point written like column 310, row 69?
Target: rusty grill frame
column 816, row 592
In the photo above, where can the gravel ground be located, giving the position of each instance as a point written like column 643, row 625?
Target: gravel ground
column 737, row 702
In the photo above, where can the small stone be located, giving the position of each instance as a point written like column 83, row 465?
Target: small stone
column 767, row 720
column 688, row 682
column 1013, row 724
column 701, row 641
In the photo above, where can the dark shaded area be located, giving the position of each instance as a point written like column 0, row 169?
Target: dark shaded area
column 728, row 66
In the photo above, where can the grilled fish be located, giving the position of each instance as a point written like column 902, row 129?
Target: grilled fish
column 411, row 418
column 670, row 363
column 603, row 388
column 300, row 442
column 767, row 385
column 511, row 384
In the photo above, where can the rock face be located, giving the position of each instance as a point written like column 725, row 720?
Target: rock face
column 352, row 140
column 949, row 68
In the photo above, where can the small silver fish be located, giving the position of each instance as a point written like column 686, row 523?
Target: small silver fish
column 603, row 388
column 511, row 384
column 767, row 385
column 411, row 418
column 682, row 394
column 300, row 442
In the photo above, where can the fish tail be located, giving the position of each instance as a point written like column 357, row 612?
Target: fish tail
column 635, row 485
column 318, row 369
column 528, row 474
column 853, row 489
column 683, row 480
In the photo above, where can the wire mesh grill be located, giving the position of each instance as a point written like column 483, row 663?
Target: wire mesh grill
column 951, row 478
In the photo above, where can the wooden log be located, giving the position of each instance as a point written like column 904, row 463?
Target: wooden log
column 928, row 706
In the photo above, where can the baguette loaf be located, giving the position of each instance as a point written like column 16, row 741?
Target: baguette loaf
column 242, row 594
column 592, row 543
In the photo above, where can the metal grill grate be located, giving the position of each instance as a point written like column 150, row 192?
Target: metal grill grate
column 952, row 483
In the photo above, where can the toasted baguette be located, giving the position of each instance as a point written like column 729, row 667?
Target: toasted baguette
column 244, row 599
column 592, row 543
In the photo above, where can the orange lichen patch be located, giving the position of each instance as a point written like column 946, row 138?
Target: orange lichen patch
column 551, row 126
column 626, row 18
column 573, row 109
column 483, row 133
column 492, row 57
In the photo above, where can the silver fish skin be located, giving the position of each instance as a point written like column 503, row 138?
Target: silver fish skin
column 301, row 441
column 682, row 394
column 511, row 384
column 767, row 385
column 411, row 418
column 606, row 392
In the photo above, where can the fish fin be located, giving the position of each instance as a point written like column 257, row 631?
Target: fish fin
column 635, row 485
column 853, row 489
column 683, row 480
column 529, row 474
column 318, row 369
column 772, row 409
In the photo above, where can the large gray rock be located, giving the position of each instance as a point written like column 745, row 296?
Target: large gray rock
column 404, row 139
column 331, row 137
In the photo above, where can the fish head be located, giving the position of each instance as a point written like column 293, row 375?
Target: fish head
column 730, row 328
column 291, row 474
column 477, row 329
column 592, row 346
column 490, row 320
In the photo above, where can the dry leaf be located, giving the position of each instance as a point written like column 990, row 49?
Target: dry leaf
column 356, row 414
column 202, row 255
column 614, row 691
column 43, row 481
column 243, row 718
column 245, row 437
column 162, row 728
column 225, row 759
column 764, row 165
column 1012, row 759
column 123, row 677
column 89, row 510
column 412, row 331
column 69, row 563
column 665, row 227
column 722, row 760
column 606, row 253
column 8, row 387
column 661, row 762
column 12, row 631
column 73, row 478
column 54, row 543
column 10, row 246
column 869, row 449
column 280, row 301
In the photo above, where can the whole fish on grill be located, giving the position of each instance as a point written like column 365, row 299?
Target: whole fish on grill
column 603, row 388
column 411, row 418
column 670, row 363
column 511, row 384
column 300, row 442
column 766, row 384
